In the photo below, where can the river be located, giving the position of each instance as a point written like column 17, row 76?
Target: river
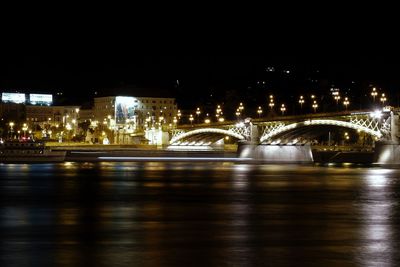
column 198, row 214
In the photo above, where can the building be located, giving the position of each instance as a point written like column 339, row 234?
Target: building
column 129, row 117
column 141, row 112
column 54, row 115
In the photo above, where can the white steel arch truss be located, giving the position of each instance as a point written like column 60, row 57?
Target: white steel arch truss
column 365, row 126
column 231, row 132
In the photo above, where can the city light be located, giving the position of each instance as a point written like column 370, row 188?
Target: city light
column 374, row 93
column 315, row 105
column 237, row 113
column 383, row 99
column 198, row 112
column 283, row 109
column 301, row 101
column 346, row 102
column 259, row 111
column 191, row 119
column 271, row 102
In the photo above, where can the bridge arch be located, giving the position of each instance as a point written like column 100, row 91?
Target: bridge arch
column 206, row 131
column 293, row 126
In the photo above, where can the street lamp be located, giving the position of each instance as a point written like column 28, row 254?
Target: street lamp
column 271, row 103
column 218, row 111
column 24, row 128
column 191, row 119
column 207, row 120
column 198, row 112
column 346, row 102
column 374, row 93
column 301, row 102
column 179, row 114
column 283, row 109
column 337, row 98
column 315, row 106
column 11, row 128
column 259, row 111
column 237, row 113
column 383, row 99
column 241, row 107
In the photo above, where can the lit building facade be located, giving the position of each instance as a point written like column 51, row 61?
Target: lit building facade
column 140, row 112
column 129, row 117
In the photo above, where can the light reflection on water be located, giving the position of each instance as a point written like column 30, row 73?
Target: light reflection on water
column 198, row 214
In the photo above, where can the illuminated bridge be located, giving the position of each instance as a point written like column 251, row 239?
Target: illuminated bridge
column 288, row 129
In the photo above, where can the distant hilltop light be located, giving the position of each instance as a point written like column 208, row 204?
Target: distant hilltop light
column 287, row 71
column 270, row 69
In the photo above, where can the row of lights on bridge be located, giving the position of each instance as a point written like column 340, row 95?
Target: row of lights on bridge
column 271, row 104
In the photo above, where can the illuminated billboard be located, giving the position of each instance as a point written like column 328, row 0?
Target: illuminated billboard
column 125, row 107
column 13, row 98
column 46, row 99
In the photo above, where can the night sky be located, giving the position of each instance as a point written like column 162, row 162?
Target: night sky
column 197, row 80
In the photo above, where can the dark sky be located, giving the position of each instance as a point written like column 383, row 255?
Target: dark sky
column 193, row 79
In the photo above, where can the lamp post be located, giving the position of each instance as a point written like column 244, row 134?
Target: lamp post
column 198, row 112
column 315, row 106
column 191, row 119
column 11, row 129
column 218, row 112
column 237, row 114
column 301, row 102
column 374, row 93
column 24, row 128
column 383, row 99
column 207, row 120
column 283, row 109
column 346, row 102
column 241, row 107
column 271, row 102
column 259, row 111
column 179, row 114
column 337, row 98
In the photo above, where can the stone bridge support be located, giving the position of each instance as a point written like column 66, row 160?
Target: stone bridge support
column 275, row 153
column 388, row 151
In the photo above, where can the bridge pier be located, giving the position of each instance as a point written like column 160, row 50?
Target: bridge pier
column 387, row 152
column 275, row 153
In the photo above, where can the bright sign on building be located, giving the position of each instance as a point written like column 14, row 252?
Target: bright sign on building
column 13, row 97
column 125, row 107
column 46, row 99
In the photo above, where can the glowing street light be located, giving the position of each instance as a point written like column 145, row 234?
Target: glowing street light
column 241, row 107
column 218, row 111
column 301, row 102
column 383, row 99
column 191, row 119
column 24, row 128
column 283, row 109
column 198, row 112
column 259, row 111
column 207, row 119
column 179, row 114
column 271, row 103
column 346, row 102
column 374, row 93
column 315, row 105
column 237, row 113
column 337, row 98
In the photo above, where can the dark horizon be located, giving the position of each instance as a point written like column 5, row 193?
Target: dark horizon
column 197, row 79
